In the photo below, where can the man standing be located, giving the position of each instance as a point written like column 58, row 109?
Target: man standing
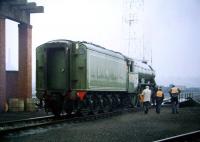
column 153, row 95
column 159, row 99
column 147, row 97
column 174, row 93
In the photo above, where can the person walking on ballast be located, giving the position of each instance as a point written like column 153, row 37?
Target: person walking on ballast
column 159, row 99
column 147, row 97
column 174, row 93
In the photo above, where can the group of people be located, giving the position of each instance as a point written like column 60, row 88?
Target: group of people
column 159, row 96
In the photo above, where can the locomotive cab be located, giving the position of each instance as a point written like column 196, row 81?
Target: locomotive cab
column 132, row 77
column 140, row 74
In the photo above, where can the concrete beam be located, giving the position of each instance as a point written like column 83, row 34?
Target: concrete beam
column 38, row 9
column 15, row 2
column 14, row 14
column 2, row 65
column 18, row 10
column 27, row 6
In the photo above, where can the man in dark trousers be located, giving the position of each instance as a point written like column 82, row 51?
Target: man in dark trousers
column 147, row 98
column 174, row 93
column 159, row 99
column 153, row 95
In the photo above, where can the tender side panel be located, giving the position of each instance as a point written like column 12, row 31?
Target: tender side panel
column 40, row 67
column 78, row 67
column 106, row 72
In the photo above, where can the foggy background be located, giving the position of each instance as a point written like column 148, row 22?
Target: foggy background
column 171, row 33
column 174, row 35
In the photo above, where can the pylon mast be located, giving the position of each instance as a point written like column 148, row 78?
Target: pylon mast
column 133, row 21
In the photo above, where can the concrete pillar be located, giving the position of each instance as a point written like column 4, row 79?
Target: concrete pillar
column 25, row 61
column 2, row 65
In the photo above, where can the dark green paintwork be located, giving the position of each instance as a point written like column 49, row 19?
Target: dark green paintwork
column 56, row 68
column 78, row 67
column 40, row 68
column 63, row 65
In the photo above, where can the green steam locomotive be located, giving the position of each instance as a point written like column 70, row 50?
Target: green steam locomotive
column 75, row 76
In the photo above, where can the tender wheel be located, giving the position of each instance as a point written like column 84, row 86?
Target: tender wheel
column 107, row 102
column 90, row 105
column 101, row 104
column 94, row 104
column 56, row 105
column 68, row 107
column 56, row 108
column 97, row 106
column 115, row 101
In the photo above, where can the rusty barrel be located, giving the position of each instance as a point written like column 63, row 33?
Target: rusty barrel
column 30, row 105
column 16, row 105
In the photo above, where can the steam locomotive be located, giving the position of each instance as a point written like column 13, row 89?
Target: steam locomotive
column 75, row 76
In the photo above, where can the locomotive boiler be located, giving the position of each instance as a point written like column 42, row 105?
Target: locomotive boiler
column 75, row 76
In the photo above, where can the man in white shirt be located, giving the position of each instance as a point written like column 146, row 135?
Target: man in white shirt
column 147, row 98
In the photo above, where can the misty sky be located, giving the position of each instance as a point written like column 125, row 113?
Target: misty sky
column 171, row 29
column 174, row 36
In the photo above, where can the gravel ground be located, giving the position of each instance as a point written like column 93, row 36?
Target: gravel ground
column 131, row 127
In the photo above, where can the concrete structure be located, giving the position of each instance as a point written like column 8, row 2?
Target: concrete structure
column 19, row 11
column 2, row 63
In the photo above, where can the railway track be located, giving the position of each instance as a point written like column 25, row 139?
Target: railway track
column 23, row 124
column 38, row 122
column 186, row 137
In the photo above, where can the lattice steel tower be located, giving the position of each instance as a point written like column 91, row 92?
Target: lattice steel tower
column 133, row 29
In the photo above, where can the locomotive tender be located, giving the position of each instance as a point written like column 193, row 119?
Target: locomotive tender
column 77, row 76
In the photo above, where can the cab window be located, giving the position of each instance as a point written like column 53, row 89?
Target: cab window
column 131, row 67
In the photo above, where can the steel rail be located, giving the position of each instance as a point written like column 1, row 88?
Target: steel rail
column 12, row 126
column 32, row 123
column 186, row 137
column 10, row 123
